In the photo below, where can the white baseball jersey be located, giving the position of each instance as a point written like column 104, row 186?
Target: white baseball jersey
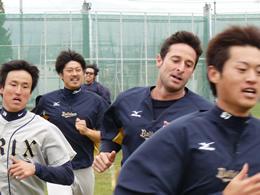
column 32, row 139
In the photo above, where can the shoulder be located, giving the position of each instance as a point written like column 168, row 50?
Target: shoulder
column 52, row 93
column 103, row 87
column 92, row 97
column 40, row 122
column 135, row 92
column 199, row 101
column 189, row 122
column 90, row 94
column 255, row 120
column 46, row 98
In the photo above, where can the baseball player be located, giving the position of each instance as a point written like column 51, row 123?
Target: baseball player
column 78, row 113
column 32, row 149
column 139, row 112
column 204, row 152
column 92, row 85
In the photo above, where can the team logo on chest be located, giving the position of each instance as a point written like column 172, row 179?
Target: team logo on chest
column 227, row 175
column 26, row 151
column 68, row 114
column 146, row 134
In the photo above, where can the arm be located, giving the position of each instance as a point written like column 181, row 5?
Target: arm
column 93, row 134
column 61, row 175
column 103, row 161
column 109, row 148
column 38, row 109
column 112, row 132
column 21, row 169
column 81, row 126
column 106, row 95
column 36, row 103
column 107, row 156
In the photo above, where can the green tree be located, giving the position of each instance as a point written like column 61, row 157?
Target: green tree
column 6, row 51
column 2, row 10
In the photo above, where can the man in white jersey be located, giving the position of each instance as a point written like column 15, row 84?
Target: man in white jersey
column 32, row 150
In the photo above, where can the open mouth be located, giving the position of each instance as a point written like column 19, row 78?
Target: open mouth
column 17, row 99
column 74, row 79
column 176, row 77
column 251, row 91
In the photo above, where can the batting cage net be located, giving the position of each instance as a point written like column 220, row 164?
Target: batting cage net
column 124, row 45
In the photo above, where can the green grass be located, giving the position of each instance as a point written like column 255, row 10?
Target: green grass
column 103, row 180
column 256, row 110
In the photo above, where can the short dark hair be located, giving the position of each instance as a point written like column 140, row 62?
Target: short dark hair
column 19, row 65
column 94, row 67
column 218, row 51
column 182, row 37
column 65, row 57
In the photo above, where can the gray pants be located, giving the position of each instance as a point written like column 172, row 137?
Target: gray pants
column 84, row 183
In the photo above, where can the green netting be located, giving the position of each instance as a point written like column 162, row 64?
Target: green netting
column 124, row 46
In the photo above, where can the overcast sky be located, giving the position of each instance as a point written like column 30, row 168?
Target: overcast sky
column 177, row 6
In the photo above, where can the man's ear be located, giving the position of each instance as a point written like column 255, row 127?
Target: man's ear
column 61, row 76
column 213, row 74
column 1, row 89
column 159, row 61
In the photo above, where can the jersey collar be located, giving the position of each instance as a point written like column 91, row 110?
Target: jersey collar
column 68, row 92
column 10, row 116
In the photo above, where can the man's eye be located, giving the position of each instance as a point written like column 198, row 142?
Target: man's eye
column 242, row 69
column 189, row 65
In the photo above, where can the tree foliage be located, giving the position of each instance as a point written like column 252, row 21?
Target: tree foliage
column 6, row 51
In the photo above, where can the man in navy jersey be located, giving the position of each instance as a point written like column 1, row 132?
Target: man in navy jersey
column 32, row 150
column 92, row 85
column 213, row 152
column 78, row 113
column 139, row 112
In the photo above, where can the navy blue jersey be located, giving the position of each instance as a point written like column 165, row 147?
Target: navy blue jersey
column 195, row 154
column 62, row 107
column 129, row 121
column 99, row 89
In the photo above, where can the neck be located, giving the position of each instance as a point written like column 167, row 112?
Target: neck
column 163, row 94
column 234, row 110
column 89, row 82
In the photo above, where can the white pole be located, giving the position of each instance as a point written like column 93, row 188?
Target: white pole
column 121, row 50
column 21, row 6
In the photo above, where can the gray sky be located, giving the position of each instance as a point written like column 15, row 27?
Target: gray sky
column 173, row 6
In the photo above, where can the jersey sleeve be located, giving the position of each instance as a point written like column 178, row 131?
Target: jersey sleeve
column 59, row 175
column 103, row 106
column 111, row 130
column 38, row 109
column 105, row 93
